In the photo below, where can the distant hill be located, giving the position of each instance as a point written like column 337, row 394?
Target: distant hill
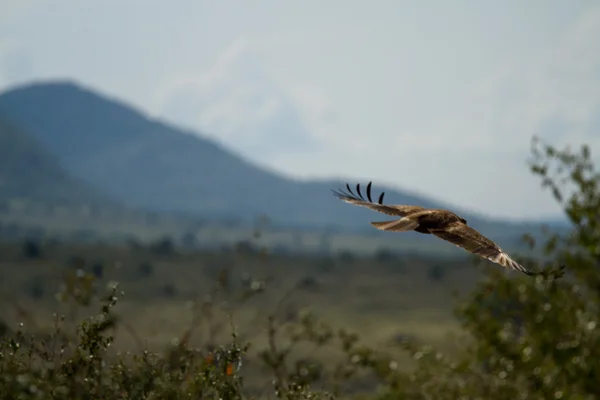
column 149, row 164
column 28, row 172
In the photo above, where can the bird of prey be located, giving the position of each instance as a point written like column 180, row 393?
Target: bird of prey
column 442, row 223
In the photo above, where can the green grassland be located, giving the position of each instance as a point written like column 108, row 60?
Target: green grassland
column 382, row 299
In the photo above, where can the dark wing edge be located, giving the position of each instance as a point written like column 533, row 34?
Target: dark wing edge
column 341, row 194
column 359, row 200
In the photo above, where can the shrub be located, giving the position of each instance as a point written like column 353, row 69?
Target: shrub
column 436, row 273
column 163, row 247
column 98, row 269
column 145, row 269
column 346, row 256
column 84, row 368
column 32, row 249
column 530, row 338
column 385, row 255
column 83, row 365
column 36, row 288
column 169, row 290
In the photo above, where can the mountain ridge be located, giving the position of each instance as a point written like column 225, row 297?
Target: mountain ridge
column 28, row 172
column 152, row 164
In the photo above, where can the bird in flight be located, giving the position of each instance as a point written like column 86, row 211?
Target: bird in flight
column 442, row 223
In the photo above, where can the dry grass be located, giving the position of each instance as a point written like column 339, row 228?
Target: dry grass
column 381, row 301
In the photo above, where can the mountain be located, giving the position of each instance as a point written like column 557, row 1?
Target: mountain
column 28, row 172
column 151, row 165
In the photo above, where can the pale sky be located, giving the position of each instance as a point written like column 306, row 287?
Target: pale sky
column 418, row 95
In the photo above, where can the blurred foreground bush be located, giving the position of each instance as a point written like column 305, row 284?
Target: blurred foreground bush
column 530, row 338
column 525, row 338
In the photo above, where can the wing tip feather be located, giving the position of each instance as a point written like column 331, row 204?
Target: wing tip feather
column 349, row 196
column 506, row 261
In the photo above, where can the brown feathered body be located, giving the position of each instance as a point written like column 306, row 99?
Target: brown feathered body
column 439, row 222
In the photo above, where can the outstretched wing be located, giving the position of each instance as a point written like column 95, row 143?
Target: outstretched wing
column 350, row 197
column 469, row 239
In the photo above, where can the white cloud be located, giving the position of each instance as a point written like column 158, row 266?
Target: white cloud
column 14, row 9
column 15, row 63
column 560, row 88
column 555, row 95
column 360, row 131
column 238, row 103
